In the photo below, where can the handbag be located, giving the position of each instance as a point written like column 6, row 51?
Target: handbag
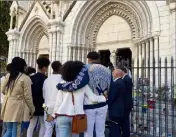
column 79, row 122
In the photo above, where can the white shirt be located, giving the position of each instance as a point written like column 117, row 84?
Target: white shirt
column 116, row 79
column 50, row 91
column 129, row 73
column 124, row 76
column 83, row 96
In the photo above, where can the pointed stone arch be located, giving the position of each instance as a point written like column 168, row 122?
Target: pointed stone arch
column 32, row 33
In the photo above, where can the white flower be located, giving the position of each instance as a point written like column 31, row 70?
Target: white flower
column 44, row 105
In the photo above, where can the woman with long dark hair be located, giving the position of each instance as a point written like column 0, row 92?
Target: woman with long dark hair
column 18, row 105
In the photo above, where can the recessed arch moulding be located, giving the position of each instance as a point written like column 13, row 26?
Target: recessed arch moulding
column 31, row 34
column 94, row 13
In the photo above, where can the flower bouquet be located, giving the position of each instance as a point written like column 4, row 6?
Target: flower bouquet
column 45, row 109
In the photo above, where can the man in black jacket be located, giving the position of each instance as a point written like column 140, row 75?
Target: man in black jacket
column 116, row 104
column 128, row 103
column 37, row 95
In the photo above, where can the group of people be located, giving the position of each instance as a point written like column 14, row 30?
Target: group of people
column 97, row 92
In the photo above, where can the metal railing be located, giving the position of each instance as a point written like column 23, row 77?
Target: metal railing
column 154, row 95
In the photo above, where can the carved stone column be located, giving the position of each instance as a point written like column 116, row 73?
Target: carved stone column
column 73, row 53
column 27, row 56
column 143, row 53
column 135, row 55
column 30, row 58
column 78, row 52
column 13, row 38
column 151, row 59
column 17, row 14
column 81, row 53
column 172, row 6
column 58, row 50
column 147, row 57
column 140, row 59
column 54, row 46
column 151, row 50
column 50, row 49
column 156, row 48
column 85, row 54
column 136, row 74
column 68, row 52
column 34, row 59
column 11, row 18
column 147, row 52
column 144, row 58
column 60, row 31
column 56, row 29
column 156, row 52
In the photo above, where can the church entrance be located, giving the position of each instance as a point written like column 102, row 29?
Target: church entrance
column 124, row 57
column 105, row 57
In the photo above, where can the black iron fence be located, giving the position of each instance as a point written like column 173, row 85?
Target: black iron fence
column 154, row 94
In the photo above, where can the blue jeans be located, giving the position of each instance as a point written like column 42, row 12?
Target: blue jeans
column 4, row 128
column 64, row 125
column 24, row 126
column 13, row 128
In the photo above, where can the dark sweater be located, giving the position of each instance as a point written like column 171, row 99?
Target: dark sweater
column 37, row 93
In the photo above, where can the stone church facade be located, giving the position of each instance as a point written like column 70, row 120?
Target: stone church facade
column 68, row 30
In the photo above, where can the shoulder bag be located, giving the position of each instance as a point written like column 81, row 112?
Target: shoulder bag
column 79, row 122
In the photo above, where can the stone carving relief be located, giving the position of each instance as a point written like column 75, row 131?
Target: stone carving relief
column 36, row 10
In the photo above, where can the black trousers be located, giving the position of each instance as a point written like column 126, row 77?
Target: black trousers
column 124, row 124
column 114, row 127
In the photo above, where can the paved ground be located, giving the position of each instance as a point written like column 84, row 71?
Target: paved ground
column 36, row 134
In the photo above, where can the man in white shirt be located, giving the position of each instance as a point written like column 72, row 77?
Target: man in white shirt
column 49, row 94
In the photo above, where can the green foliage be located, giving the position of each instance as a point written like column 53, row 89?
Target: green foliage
column 4, row 26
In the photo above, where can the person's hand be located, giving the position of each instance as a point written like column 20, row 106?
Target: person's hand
column 31, row 115
column 49, row 118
